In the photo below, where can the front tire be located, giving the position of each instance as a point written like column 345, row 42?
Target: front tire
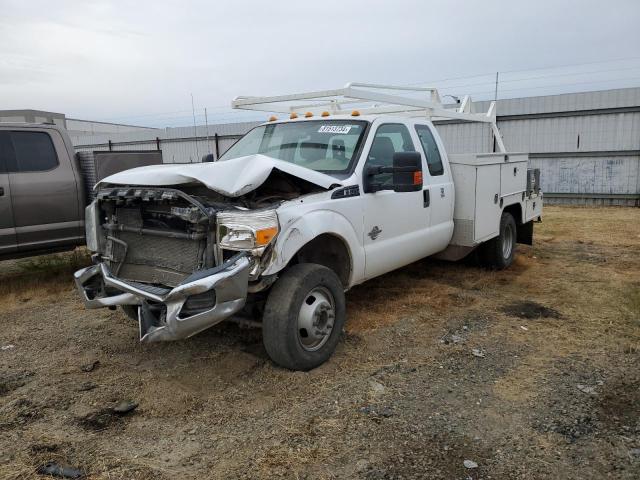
column 500, row 251
column 303, row 317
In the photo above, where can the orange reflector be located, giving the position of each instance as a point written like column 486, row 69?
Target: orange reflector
column 417, row 178
column 355, row 113
column 308, row 114
column 263, row 237
column 325, row 114
column 273, row 118
column 293, row 115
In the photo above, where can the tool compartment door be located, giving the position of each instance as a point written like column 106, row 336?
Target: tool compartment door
column 487, row 208
column 513, row 175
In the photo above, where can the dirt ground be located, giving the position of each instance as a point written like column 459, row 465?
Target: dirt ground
column 529, row 373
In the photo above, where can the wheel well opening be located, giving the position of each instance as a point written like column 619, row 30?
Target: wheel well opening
column 329, row 251
column 516, row 212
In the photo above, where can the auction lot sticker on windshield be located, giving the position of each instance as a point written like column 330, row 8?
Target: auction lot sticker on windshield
column 344, row 129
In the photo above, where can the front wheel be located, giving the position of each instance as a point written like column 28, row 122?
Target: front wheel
column 303, row 317
column 500, row 251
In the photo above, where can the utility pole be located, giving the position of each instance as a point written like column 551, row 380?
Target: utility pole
column 195, row 132
column 206, row 122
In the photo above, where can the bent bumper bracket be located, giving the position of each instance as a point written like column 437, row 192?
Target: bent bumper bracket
column 160, row 312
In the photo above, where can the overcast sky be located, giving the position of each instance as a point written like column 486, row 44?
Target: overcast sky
column 138, row 62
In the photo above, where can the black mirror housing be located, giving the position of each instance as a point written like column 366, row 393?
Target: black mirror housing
column 407, row 172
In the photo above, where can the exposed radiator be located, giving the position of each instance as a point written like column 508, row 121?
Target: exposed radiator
column 154, row 259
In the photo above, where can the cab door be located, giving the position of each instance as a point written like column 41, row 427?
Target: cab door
column 396, row 224
column 437, row 178
column 43, row 191
column 7, row 227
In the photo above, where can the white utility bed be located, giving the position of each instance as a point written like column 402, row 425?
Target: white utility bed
column 484, row 183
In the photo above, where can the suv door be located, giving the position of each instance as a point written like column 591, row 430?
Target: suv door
column 7, row 227
column 395, row 224
column 43, row 191
column 437, row 179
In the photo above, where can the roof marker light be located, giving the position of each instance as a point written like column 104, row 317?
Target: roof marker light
column 325, row 114
column 293, row 115
column 355, row 113
column 273, row 118
column 308, row 115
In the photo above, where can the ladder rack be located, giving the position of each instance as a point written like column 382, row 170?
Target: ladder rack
column 373, row 99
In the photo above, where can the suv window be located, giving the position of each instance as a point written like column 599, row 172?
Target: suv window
column 34, row 152
column 390, row 138
column 434, row 161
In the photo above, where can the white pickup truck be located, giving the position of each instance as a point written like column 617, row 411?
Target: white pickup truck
column 353, row 183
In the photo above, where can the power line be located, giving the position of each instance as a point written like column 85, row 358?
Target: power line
column 163, row 116
column 554, row 86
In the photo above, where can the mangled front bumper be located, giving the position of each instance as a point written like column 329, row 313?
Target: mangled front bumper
column 162, row 313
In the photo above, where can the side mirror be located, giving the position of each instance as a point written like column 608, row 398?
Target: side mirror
column 406, row 174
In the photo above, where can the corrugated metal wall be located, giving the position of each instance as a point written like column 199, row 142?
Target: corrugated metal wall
column 178, row 145
column 587, row 145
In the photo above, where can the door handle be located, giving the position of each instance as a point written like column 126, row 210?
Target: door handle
column 426, row 198
column 1, row 191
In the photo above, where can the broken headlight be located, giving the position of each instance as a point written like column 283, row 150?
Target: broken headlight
column 246, row 229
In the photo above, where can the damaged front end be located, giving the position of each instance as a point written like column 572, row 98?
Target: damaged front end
column 186, row 258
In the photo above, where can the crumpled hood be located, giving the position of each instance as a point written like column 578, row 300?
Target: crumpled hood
column 231, row 178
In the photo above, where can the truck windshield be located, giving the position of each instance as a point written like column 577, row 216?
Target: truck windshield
column 325, row 146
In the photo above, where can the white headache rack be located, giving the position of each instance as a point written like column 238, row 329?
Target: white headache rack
column 373, row 99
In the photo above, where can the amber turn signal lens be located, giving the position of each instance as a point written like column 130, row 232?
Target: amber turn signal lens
column 417, row 178
column 263, row 237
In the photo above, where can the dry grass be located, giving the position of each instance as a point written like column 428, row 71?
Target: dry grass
column 258, row 421
column 37, row 279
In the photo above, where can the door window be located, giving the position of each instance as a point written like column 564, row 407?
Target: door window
column 434, row 161
column 389, row 139
column 33, row 152
column 6, row 151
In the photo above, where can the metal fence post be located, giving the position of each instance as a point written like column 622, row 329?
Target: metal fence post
column 216, row 140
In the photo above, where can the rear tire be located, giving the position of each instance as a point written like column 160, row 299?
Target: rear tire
column 500, row 251
column 303, row 317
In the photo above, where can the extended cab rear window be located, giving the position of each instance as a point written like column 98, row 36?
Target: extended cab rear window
column 434, row 161
column 31, row 152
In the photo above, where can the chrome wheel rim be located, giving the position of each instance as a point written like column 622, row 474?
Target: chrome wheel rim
column 507, row 241
column 315, row 319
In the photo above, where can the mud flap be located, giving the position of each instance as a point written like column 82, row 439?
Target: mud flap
column 525, row 233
